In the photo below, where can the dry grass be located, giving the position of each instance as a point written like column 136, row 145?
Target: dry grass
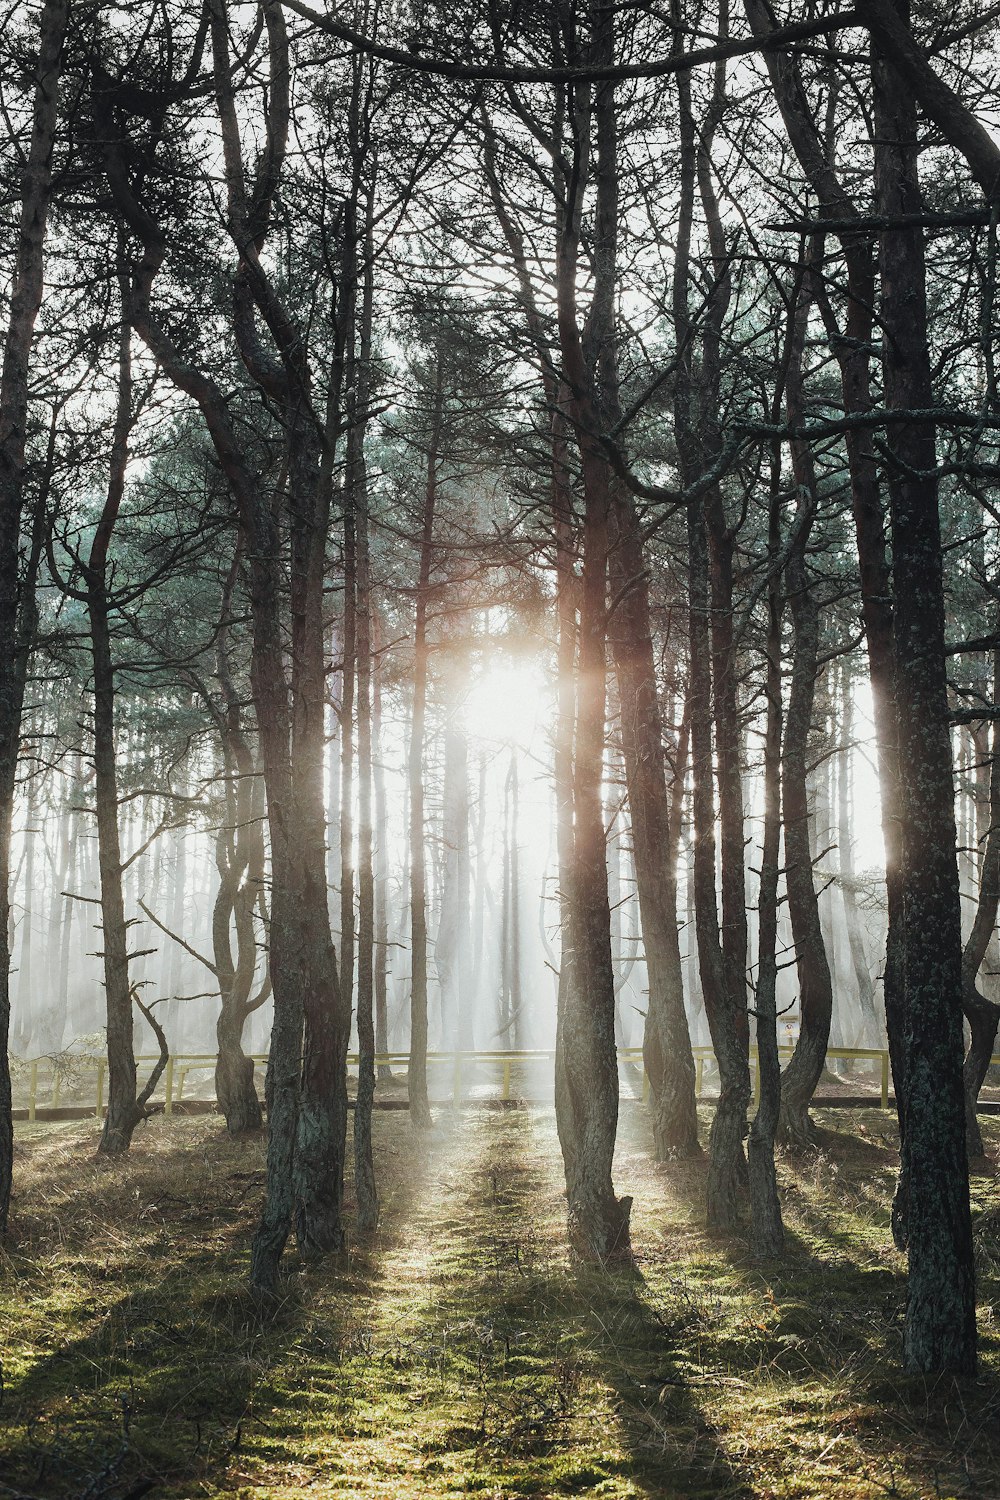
column 458, row 1353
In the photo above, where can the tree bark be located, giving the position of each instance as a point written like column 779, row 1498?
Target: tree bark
column 25, row 301
column 381, row 863
column 852, row 916
column 815, row 987
column 982, row 1014
column 420, row 1113
column 667, row 1054
column 723, row 991
column 121, row 1118
column 940, row 1329
column 240, row 862
column 766, row 1232
column 586, row 1055
column 357, row 485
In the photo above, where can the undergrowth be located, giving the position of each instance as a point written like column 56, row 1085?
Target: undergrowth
column 457, row 1352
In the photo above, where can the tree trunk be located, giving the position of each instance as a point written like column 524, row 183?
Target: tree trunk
column 420, row 1113
column 25, row 300
column 852, row 916
column 381, row 863
column 121, row 1118
column 982, row 1014
column 815, row 987
column 766, row 1233
column 666, row 1048
column 240, row 861
column 723, row 991
column 940, row 1330
column 451, row 951
column 586, row 1055
column 357, row 487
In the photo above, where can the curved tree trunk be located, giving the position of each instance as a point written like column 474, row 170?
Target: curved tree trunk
column 982, row 1014
column 122, row 1117
column 815, row 987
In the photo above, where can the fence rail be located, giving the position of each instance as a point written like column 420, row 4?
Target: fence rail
column 77, row 1081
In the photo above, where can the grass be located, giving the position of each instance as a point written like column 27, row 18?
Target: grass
column 458, row 1353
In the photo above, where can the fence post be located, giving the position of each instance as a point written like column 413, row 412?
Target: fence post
column 699, row 1075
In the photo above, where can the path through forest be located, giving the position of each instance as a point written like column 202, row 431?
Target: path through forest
column 482, row 1363
column 458, row 1352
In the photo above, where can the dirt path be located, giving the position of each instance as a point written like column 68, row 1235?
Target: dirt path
column 480, row 1363
column 458, row 1353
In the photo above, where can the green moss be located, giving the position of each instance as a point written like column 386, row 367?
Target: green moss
column 458, row 1352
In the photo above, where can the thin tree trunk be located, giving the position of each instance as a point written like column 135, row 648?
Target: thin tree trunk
column 766, row 1233
column 420, row 1114
column 852, row 916
column 815, row 987
column 381, row 863
column 240, row 860
column 357, row 484
column 667, row 1054
column 724, row 994
column 982, row 1014
column 121, row 1118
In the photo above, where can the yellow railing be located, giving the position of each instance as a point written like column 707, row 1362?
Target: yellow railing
column 48, row 1077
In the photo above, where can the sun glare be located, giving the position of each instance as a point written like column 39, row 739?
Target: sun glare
column 505, row 704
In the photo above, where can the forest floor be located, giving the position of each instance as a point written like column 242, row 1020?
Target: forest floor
column 458, row 1352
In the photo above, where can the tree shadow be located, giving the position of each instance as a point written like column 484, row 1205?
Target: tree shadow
column 831, row 1314
column 160, row 1361
column 558, row 1329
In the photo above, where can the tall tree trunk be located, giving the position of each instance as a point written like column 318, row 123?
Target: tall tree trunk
column 349, row 636
column 121, row 1118
column 667, row 1054
column 766, row 1232
column 724, row 991
column 420, row 1113
column 357, row 483
column 940, row 1329
column 451, row 951
column 240, row 861
column 381, row 862
column 815, row 987
column 25, row 300
column 586, row 1055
